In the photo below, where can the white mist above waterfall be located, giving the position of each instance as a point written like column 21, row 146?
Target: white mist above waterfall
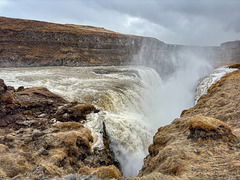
column 176, row 92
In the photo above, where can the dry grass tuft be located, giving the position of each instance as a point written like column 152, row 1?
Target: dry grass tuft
column 7, row 98
column 205, row 127
column 207, row 124
column 13, row 164
column 66, row 126
column 106, row 172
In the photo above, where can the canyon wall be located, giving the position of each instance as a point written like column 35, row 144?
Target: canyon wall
column 35, row 43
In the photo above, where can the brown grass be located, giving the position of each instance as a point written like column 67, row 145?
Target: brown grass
column 66, row 126
column 207, row 124
column 13, row 164
column 30, row 25
column 106, row 172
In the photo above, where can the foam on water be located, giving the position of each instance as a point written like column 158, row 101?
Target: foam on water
column 95, row 124
column 205, row 82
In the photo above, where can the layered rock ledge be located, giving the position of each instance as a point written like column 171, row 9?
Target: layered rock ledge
column 43, row 136
column 34, row 43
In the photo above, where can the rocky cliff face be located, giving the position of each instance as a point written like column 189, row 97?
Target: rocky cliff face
column 229, row 51
column 35, row 43
column 202, row 144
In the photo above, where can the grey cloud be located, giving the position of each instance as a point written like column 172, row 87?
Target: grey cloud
column 168, row 13
column 204, row 22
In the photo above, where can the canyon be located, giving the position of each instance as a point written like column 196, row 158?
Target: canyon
column 34, row 43
column 43, row 135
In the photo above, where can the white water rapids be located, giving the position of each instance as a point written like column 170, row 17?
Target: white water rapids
column 134, row 101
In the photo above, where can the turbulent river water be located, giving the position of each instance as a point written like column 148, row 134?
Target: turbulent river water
column 134, row 100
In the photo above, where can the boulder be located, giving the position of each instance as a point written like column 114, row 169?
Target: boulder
column 74, row 112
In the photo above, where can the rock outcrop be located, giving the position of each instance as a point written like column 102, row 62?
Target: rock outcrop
column 229, row 51
column 43, row 136
column 204, row 143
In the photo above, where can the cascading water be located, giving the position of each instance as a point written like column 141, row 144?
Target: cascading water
column 134, row 101
column 177, row 89
column 205, row 82
column 117, row 91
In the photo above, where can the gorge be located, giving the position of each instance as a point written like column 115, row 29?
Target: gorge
column 139, row 84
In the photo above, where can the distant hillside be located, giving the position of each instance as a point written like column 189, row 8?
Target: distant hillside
column 36, row 43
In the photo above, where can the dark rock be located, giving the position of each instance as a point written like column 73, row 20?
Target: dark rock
column 35, row 136
column 131, row 73
column 74, row 112
column 10, row 88
column 3, row 87
column 44, row 152
column 21, row 88
column 89, row 177
column 70, row 177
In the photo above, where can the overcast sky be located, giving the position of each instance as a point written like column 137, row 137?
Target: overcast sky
column 190, row 22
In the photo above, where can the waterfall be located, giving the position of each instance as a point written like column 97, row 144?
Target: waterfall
column 120, row 94
column 179, row 69
column 134, row 100
column 205, row 82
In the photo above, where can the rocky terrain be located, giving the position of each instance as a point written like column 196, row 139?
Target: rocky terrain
column 204, row 143
column 44, row 136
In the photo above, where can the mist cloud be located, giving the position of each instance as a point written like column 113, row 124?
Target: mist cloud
column 201, row 22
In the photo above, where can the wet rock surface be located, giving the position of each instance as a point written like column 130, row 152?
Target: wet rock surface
column 37, row 141
column 131, row 73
